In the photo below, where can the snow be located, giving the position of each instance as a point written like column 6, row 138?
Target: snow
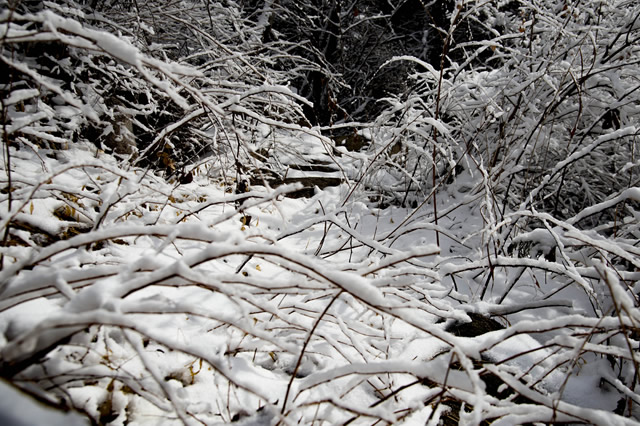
column 19, row 409
column 154, row 302
column 376, row 331
column 18, row 96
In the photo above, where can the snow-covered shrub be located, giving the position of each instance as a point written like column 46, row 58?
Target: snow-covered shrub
column 554, row 126
column 138, row 298
column 169, row 305
column 541, row 145
column 557, row 124
column 79, row 74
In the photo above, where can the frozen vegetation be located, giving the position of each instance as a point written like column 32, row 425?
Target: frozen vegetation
column 205, row 220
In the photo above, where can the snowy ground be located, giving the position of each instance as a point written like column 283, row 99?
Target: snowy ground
column 173, row 309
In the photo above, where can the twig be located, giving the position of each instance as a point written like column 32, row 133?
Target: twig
column 304, row 347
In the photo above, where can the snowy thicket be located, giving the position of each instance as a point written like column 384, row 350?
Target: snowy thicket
column 181, row 246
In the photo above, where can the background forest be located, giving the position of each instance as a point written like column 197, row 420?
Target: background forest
column 321, row 211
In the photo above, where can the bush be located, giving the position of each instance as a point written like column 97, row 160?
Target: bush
column 477, row 264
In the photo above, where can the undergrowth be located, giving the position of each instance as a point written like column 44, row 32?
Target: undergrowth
column 475, row 261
